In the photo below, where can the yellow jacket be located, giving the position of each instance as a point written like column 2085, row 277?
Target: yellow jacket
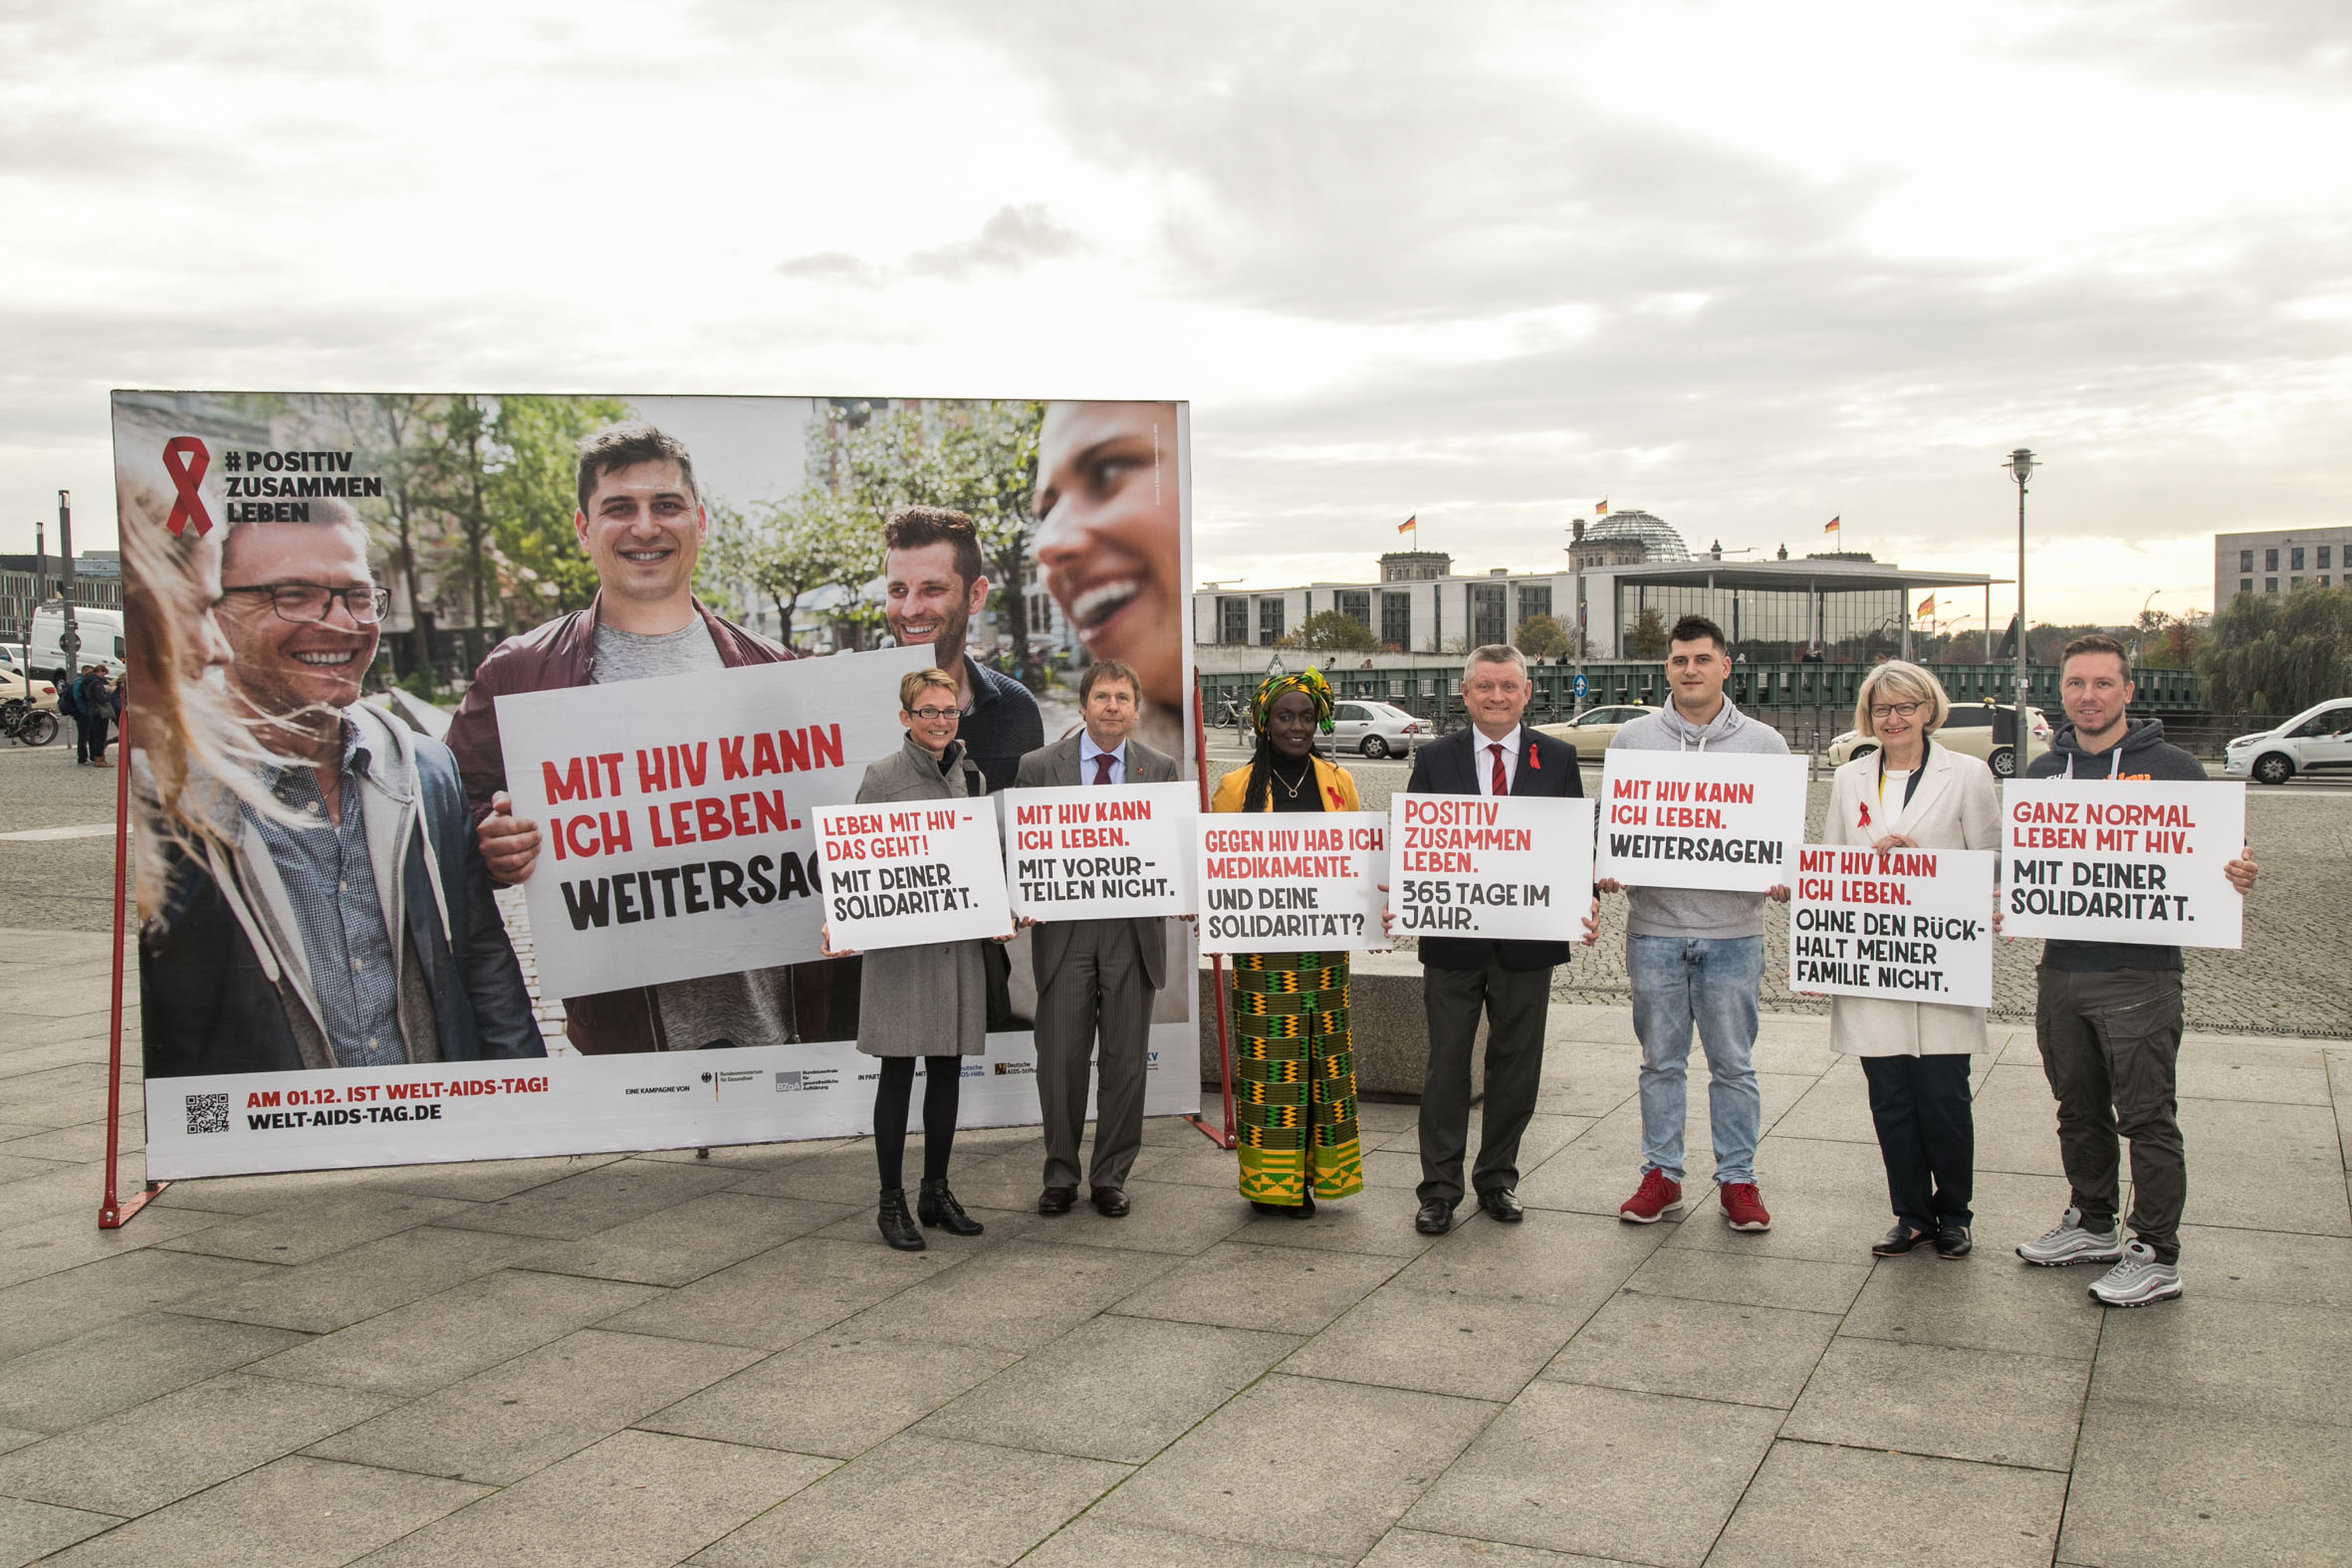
column 1338, row 790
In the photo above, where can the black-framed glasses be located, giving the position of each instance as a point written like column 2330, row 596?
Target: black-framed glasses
column 305, row 603
column 1895, row 710
column 937, row 715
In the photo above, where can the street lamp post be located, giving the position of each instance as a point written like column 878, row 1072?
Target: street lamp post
column 2020, row 466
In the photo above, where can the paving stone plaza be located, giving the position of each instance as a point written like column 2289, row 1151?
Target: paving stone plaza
column 660, row 1359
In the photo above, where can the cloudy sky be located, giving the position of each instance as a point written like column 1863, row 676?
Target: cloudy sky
column 1745, row 265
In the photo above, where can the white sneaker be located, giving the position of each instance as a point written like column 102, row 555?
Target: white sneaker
column 2139, row 1280
column 2069, row 1242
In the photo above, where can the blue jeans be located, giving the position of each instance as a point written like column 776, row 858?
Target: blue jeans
column 1678, row 981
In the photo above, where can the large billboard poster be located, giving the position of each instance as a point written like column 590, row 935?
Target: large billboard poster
column 477, row 740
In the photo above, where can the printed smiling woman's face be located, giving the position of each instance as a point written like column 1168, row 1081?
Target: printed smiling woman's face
column 1110, row 537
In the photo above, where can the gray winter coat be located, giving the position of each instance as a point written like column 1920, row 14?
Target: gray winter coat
column 928, row 1000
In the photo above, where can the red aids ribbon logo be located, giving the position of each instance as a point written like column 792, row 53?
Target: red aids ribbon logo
column 1534, row 761
column 1865, row 821
column 186, row 459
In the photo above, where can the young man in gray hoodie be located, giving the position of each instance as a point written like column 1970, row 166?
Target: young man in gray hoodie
column 2108, row 1016
column 1696, row 957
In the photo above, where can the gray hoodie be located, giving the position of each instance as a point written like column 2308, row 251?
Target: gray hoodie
column 1686, row 911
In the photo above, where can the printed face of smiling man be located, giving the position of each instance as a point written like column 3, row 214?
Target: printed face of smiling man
column 642, row 527
column 284, row 667
column 1109, row 539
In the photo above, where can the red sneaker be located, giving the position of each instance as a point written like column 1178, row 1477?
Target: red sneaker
column 1743, row 1207
column 1656, row 1197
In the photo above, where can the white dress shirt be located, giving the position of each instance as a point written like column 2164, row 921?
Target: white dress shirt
column 1482, row 757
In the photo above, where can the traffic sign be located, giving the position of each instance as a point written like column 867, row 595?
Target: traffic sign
column 1582, row 686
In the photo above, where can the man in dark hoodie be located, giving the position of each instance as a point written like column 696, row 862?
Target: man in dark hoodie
column 2108, row 1016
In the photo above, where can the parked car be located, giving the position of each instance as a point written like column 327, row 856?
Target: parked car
column 1591, row 730
column 2315, row 741
column 1376, row 729
column 1971, row 728
column 12, row 689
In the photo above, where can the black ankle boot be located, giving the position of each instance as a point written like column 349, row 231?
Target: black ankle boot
column 936, row 1206
column 898, row 1227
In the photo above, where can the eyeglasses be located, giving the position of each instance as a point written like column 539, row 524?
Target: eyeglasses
column 305, row 603
column 1895, row 710
column 937, row 715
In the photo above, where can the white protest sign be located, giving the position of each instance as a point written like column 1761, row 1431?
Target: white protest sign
column 1101, row 851
column 1719, row 819
column 1512, row 867
column 2115, row 860
column 1291, row 883
column 673, row 813
column 901, row 873
column 1910, row 925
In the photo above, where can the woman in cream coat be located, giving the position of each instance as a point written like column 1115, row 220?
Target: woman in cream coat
column 1913, row 793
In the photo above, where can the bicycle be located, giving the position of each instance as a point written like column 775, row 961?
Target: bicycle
column 25, row 724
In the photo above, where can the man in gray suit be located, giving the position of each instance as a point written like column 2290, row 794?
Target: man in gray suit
column 1095, row 978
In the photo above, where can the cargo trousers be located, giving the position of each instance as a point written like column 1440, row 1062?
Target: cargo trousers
column 2110, row 1045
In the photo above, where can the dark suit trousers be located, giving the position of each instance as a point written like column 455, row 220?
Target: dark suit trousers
column 1097, row 992
column 1926, row 1135
column 1515, row 1003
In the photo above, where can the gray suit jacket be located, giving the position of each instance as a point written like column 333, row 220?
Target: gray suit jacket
column 1054, row 766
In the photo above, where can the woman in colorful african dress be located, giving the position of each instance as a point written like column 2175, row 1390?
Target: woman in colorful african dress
column 1294, row 1064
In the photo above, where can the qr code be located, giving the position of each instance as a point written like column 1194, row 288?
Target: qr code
column 208, row 1113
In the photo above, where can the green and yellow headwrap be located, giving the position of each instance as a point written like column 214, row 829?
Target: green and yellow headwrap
column 1310, row 681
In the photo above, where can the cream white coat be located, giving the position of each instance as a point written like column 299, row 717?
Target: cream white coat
column 1954, row 807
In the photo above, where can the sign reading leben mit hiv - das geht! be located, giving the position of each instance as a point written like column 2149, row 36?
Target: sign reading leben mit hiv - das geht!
column 905, row 872
column 2109, row 861
column 1512, row 867
column 1910, row 925
column 1101, row 851
column 673, row 813
column 1696, row 819
column 1292, row 884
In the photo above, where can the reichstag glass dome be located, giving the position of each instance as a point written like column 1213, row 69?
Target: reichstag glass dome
column 1659, row 542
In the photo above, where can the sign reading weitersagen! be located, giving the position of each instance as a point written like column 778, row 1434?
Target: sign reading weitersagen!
column 1099, row 851
column 1292, row 884
column 1514, row 867
column 1700, row 820
column 1910, row 925
column 901, row 873
column 673, row 813
column 2109, row 860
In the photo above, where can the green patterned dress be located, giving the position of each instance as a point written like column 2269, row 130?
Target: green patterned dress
column 1293, row 1058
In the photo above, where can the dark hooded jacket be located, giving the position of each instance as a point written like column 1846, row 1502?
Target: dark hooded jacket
column 2140, row 756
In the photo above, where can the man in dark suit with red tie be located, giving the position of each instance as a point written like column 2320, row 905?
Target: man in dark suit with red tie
column 1510, row 981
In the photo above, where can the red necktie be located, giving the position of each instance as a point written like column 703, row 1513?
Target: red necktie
column 1102, row 761
column 1502, row 785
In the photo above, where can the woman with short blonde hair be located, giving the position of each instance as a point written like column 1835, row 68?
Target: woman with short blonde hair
column 1906, row 792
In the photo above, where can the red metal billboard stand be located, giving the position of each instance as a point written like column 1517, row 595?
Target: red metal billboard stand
column 1199, row 752
column 113, row 1210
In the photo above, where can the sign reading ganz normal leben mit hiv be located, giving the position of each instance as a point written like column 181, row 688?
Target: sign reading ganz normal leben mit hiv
column 673, row 813
column 1099, row 851
column 1512, row 867
column 901, row 873
column 1910, row 925
column 2110, row 860
column 1292, row 884
column 1695, row 819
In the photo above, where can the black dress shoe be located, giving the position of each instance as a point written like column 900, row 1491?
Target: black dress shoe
column 1901, row 1239
column 1435, row 1218
column 1056, row 1200
column 937, row 1207
column 1110, row 1203
column 1953, row 1242
column 1504, row 1204
column 898, row 1227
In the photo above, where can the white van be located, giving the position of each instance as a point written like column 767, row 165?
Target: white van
column 100, row 631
